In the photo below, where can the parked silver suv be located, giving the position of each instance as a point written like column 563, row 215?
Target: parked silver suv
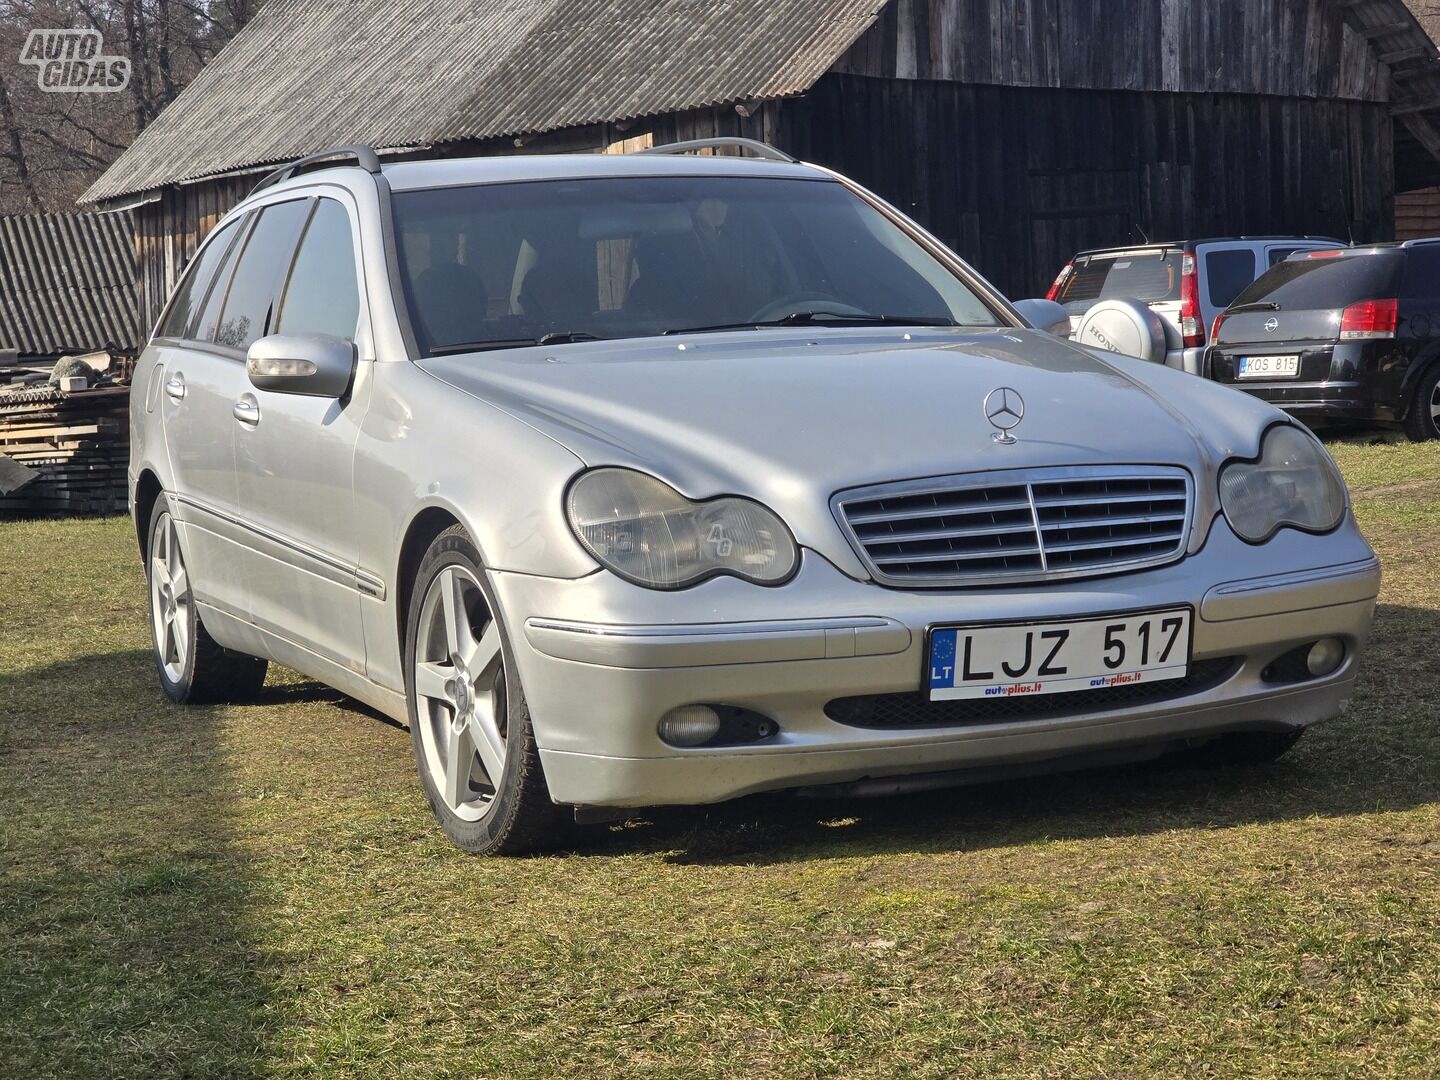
column 1186, row 284
column 632, row 480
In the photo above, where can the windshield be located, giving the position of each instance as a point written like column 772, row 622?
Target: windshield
column 497, row 265
column 1149, row 276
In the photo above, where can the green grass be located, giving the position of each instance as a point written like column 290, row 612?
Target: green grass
column 259, row 890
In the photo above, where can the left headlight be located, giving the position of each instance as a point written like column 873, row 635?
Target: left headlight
column 1294, row 483
column 647, row 532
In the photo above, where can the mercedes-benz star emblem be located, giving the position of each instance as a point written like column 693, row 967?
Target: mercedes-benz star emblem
column 1271, row 325
column 1004, row 408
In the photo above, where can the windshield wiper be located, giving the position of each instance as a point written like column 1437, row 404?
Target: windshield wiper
column 1258, row 305
column 566, row 338
column 821, row 318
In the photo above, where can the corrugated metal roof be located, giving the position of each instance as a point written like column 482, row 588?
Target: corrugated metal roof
column 308, row 74
column 67, row 283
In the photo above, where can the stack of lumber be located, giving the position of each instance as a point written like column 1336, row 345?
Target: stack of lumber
column 76, row 445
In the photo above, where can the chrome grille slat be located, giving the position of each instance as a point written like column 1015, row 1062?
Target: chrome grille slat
column 937, row 511
column 1019, row 526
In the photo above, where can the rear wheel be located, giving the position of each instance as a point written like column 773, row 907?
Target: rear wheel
column 193, row 668
column 1422, row 421
column 469, row 724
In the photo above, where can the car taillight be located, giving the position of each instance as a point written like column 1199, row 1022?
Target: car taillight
column 1215, row 327
column 1327, row 254
column 1369, row 319
column 1192, row 327
column 1059, row 283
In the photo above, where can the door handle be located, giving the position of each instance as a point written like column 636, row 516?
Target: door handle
column 175, row 387
column 247, row 411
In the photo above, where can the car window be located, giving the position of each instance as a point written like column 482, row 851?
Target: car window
column 1422, row 274
column 259, row 273
column 1280, row 254
column 202, row 327
column 1315, row 284
column 1150, row 276
column 321, row 296
column 639, row 256
column 1227, row 272
column 190, row 296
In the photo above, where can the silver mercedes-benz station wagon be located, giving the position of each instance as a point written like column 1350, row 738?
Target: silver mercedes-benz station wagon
column 662, row 478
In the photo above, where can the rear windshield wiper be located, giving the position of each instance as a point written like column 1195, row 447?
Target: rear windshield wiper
column 1258, row 305
column 566, row 338
column 821, row 318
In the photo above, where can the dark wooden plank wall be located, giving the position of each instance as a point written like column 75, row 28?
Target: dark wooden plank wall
column 1019, row 179
column 168, row 232
column 1293, row 48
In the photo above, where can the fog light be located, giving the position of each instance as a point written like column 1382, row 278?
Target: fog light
column 1324, row 656
column 690, row 725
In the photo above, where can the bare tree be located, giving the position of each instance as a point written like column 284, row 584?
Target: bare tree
column 55, row 144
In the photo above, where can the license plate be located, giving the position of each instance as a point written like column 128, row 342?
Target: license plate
column 1261, row 367
column 1058, row 657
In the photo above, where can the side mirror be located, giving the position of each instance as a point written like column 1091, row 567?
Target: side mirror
column 315, row 365
column 1045, row 315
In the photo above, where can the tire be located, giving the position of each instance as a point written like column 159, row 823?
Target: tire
column 468, row 716
column 193, row 668
column 1422, row 419
column 1242, row 748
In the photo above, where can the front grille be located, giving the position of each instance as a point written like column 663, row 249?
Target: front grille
column 916, row 710
column 1034, row 524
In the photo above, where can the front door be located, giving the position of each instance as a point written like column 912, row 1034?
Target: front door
column 295, row 459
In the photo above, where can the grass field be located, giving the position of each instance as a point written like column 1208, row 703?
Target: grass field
column 260, row 890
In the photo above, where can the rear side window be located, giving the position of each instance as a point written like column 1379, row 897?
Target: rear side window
column 193, row 290
column 1309, row 284
column 321, row 296
column 1147, row 275
column 259, row 274
column 1227, row 273
column 1422, row 275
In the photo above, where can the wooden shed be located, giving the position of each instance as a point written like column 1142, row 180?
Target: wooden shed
column 1018, row 130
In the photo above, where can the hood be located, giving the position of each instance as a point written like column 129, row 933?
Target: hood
column 789, row 417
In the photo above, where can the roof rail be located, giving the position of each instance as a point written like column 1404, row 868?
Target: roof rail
column 364, row 156
column 755, row 146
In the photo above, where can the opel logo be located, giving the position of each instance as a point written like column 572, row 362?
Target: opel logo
column 1271, row 325
column 1004, row 408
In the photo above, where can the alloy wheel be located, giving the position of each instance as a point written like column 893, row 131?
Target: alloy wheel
column 1435, row 411
column 170, row 600
column 459, row 682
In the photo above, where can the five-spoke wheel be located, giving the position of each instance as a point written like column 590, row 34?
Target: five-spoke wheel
column 170, row 614
column 459, row 676
column 469, row 725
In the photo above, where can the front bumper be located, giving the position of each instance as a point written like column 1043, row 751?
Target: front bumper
column 601, row 661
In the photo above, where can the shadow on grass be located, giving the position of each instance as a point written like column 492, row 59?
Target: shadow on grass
column 125, row 911
column 1384, row 754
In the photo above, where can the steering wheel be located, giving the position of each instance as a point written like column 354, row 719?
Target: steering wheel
column 789, row 305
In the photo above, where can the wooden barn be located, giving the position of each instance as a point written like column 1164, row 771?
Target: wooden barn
column 1017, row 130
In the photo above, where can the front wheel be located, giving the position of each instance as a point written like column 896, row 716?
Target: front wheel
column 469, row 725
column 1422, row 421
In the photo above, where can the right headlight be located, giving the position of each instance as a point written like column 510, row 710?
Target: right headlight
column 647, row 532
column 1294, row 483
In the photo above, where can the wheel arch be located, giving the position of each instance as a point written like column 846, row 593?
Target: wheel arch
column 148, row 490
column 1415, row 374
column 424, row 527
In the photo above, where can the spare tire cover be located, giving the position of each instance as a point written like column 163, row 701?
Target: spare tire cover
column 1124, row 326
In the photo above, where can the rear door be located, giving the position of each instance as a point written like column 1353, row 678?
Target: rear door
column 295, row 456
column 198, row 384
